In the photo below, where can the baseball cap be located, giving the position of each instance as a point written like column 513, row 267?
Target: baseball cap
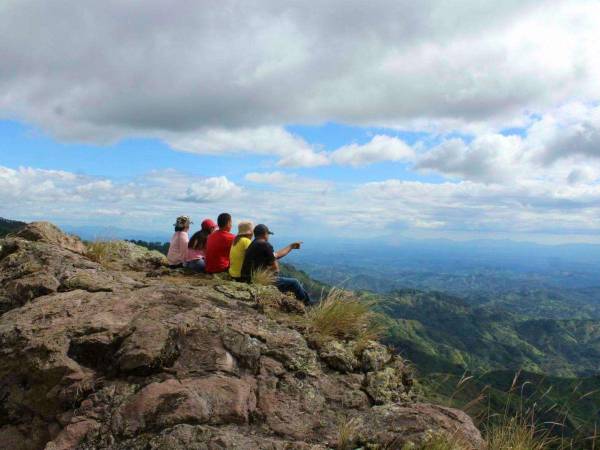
column 207, row 224
column 261, row 229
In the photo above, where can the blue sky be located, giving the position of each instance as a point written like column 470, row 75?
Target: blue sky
column 133, row 157
column 407, row 120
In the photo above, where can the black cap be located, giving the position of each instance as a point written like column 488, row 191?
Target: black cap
column 261, row 230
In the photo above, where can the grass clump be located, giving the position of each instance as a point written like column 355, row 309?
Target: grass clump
column 440, row 441
column 102, row 251
column 341, row 315
column 516, row 434
column 264, row 277
column 348, row 431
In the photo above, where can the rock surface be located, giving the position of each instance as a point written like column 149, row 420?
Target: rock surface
column 103, row 357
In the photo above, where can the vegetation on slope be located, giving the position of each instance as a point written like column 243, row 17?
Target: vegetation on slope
column 442, row 333
column 9, row 226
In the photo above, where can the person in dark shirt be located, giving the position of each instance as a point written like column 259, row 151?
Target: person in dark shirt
column 260, row 255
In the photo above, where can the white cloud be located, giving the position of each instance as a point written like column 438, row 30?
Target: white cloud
column 275, row 178
column 226, row 78
column 290, row 182
column 562, row 146
column 384, row 208
column 270, row 141
column 63, row 196
column 488, row 158
column 380, row 148
column 211, row 190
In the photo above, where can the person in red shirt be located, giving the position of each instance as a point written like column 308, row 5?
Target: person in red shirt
column 218, row 246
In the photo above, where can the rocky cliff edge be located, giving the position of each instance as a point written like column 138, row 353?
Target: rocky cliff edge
column 127, row 355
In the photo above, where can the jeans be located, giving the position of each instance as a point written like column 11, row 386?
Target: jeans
column 197, row 265
column 285, row 284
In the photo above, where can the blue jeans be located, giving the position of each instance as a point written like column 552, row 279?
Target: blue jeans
column 285, row 284
column 197, row 265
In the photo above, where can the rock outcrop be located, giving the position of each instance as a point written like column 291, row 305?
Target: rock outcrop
column 109, row 358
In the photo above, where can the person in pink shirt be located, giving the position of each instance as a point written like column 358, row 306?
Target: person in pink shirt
column 197, row 247
column 177, row 254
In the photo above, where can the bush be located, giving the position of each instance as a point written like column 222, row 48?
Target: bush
column 341, row 315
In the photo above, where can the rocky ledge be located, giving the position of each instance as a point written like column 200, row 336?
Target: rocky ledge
column 129, row 356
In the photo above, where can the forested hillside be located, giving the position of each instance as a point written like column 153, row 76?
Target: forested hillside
column 440, row 332
column 8, row 226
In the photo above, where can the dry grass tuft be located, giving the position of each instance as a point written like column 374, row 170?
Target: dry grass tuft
column 516, row 434
column 347, row 434
column 102, row 251
column 341, row 315
column 442, row 441
column 264, row 277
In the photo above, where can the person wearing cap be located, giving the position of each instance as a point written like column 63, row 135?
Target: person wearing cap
column 177, row 253
column 260, row 255
column 197, row 246
column 218, row 246
column 238, row 250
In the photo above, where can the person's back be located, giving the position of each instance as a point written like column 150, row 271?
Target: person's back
column 218, row 246
column 196, row 250
column 259, row 255
column 178, row 248
column 238, row 250
column 179, row 242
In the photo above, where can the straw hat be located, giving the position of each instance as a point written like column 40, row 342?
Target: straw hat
column 245, row 227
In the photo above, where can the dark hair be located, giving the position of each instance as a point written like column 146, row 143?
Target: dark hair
column 198, row 240
column 179, row 228
column 223, row 220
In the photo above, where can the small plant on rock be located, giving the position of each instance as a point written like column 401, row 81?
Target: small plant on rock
column 102, row 251
column 347, row 433
column 264, row 277
column 518, row 434
column 341, row 315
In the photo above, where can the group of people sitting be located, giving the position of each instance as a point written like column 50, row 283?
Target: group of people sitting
column 214, row 249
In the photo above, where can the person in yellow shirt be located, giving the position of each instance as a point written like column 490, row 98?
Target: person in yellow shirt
column 238, row 250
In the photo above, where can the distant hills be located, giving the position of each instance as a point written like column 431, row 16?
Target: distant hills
column 443, row 333
column 9, row 226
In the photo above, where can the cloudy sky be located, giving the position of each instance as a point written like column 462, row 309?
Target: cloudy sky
column 468, row 119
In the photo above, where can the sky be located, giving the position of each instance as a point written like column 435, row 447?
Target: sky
column 382, row 119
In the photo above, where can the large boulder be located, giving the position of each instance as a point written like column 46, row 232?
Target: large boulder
column 51, row 234
column 403, row 426
column 93, row 359
column 35, row 263
column 125, row 256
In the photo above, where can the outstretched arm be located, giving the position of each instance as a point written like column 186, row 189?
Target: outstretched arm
column 288, row 248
